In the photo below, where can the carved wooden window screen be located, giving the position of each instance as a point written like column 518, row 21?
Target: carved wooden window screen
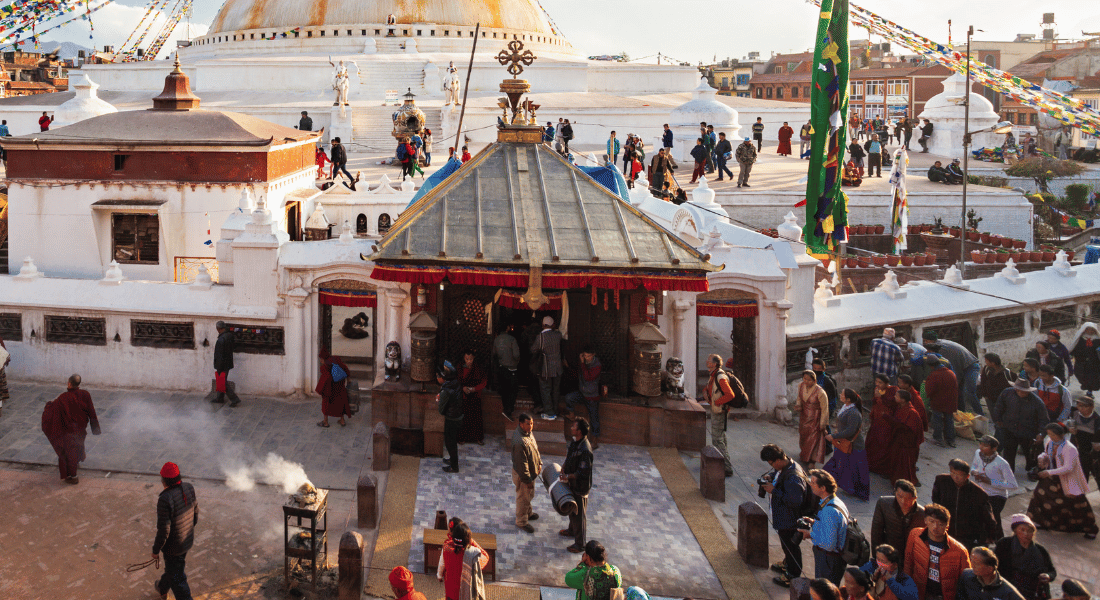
column 1004, row 328
column 610, row 338
column 1063, row 316
column 249, row 339
column 961, row 333
column 135, row 238
column 11, row 327
column 466, row 323
column 76, row 330
column 827, row 349
column 159, row 334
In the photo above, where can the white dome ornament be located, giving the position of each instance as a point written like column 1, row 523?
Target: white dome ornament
column 890, row 287
column 789, row 229
column 1061, row 265
column 953, row 278
column 345, row 236
column 28, row 272
column 113, row 275
column 1011, row 274
column 85, row 105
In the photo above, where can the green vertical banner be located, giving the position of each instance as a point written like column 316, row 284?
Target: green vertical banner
column 826, row 203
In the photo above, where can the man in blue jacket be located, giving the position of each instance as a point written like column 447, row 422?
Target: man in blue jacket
column 788, row 489
column 666, row 137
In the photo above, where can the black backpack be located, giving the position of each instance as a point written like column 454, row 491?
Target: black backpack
column 856, row 550
column 810, row 502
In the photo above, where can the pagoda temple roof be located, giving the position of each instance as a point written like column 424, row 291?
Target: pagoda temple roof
column 520, row 205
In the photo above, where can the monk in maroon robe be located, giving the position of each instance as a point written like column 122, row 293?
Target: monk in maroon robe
column 472, row 379
column 785, row 135
column 334, row 394
column 878, row 434
column 65, row 422
column 907, row 437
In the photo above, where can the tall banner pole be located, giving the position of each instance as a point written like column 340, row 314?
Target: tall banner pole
column 826, row 204
column 465, row 92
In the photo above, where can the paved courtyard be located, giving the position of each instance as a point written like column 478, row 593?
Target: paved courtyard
column 630, row 511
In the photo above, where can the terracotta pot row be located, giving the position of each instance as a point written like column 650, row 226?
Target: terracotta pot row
column 994, row 240
column 867, row 229
column 890, row 260
column 986, row 257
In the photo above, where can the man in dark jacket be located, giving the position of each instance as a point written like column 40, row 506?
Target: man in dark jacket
column 546, row 360
column 526, row 467
column 972, row 521
column 339, row 157
column 982, row 581
column 1020, row 417
column 746, row 156
column 223, row 363
column 788, row 490
column 305, row 123
column 895, row 516
column 995, row 378
column 936, row 173
column 758, row 133
column 450, row 406
column 723, row 152
column 177, row 515
column 925, row 136
column 577, row 473
column 666, row 137
column 567, row 134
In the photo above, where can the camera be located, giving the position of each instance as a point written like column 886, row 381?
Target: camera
column 804, row 523
column 763, row 480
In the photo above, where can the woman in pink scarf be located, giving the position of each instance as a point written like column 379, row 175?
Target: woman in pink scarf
column 1059, row 502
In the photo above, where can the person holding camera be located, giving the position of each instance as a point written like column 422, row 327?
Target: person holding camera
column 829, row 530
column 787, row 484
column 885, row 574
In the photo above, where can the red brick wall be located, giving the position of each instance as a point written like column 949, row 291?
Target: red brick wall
column 191, row 166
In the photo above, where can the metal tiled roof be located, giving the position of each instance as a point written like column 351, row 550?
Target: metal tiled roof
column 521, row 204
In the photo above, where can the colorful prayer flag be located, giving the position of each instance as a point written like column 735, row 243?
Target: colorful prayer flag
column 900, row 220
column 826, row 203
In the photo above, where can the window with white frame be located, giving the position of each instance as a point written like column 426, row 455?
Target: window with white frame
column 897, row 87
column 875, row 89
column 857, row 90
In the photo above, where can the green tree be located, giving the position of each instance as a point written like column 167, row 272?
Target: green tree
column 1043, row 169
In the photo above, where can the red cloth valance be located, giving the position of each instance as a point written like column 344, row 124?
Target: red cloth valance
column 513, row 300
column 727, row 308
column 551, row 279
column 352, row 298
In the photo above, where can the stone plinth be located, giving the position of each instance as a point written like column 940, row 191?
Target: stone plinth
column 712, row 476
column 381, row 440
column 366, row 499
column 752, row 534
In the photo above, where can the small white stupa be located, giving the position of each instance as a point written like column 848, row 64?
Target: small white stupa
column 703, row 106
column 946, row 111
column 85, row 105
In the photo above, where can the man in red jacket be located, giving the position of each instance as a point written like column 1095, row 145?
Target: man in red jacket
column 941, row 388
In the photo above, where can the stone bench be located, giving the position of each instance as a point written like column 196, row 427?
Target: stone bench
column 433, row 548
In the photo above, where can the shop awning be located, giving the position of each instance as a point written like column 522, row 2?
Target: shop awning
column 352, row 298
column 726, row 308
column 679, row 281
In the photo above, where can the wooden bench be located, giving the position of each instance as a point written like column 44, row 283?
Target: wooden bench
column 433, row 547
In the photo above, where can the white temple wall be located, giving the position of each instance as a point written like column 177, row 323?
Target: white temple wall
column 1003, row 212
column 34, row 359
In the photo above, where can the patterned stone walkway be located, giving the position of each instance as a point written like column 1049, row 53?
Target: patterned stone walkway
column 630, row 511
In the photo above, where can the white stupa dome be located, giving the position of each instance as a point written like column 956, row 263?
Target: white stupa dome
column 521, row 16
column 704, row 106
column 84, row 106
column 949, row 103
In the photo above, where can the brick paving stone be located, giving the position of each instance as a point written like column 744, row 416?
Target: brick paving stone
column 630, row 511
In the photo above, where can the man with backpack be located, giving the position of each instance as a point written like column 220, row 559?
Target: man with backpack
column 829, row 531
column 789, row 489
column 720, row 393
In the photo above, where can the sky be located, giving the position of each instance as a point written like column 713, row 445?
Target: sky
column 699, row 30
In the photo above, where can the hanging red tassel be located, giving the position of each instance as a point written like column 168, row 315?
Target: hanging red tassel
column 616, row 299
column 605, row 294
column 595, row 297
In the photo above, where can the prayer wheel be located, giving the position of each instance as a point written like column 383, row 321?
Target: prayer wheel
column 647, row 370
column 423, row 356
column 560, row 494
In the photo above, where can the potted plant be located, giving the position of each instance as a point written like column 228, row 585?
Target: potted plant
column 906, row 260
column 977, row 256
column 879, row 260
column 879, row 229
column 1048, row 254
column 973, row 235
column 983, row 237
column 1002, row 256
column 918, row 260
column 1036, row 255
column 893, row 260
column 914, row 229
column 955, row 231
column 856, row 229
column 1019, row 244
column 1070, row 254
column 997, row 241
column 1015, row 254
column 925, row 227
column 851, row 261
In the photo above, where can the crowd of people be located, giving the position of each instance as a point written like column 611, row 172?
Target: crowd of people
column 957, row 546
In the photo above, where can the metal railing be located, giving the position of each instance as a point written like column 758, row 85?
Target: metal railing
column 187, row 268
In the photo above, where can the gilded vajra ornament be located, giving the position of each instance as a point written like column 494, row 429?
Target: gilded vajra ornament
column 516, row 55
